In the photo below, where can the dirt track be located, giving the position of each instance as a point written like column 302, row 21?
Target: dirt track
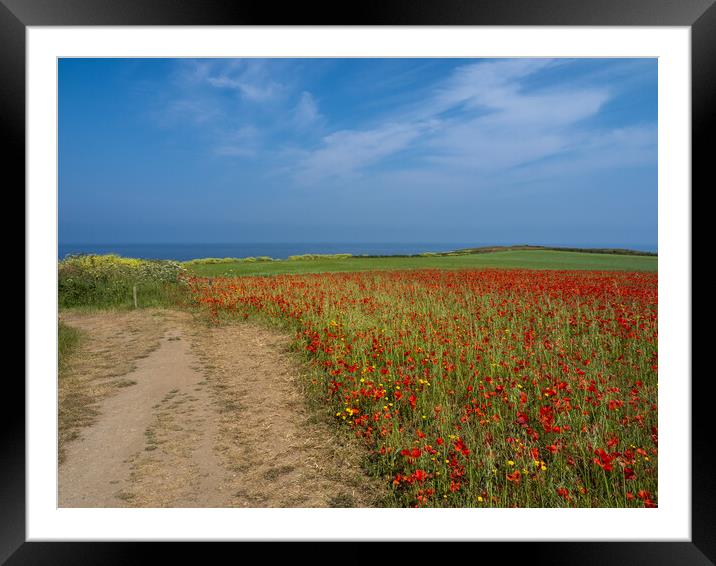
column 198, row 416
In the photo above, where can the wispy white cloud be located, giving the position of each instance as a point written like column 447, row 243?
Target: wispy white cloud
column 345, row 152
column 306, row 112
column 487, row 118
column 185, row 110
column 234, row 103
column 486, row 84
column 243, row 142
column 525, row 128
column 251, row 78
column 587, row 153
column 482, row 118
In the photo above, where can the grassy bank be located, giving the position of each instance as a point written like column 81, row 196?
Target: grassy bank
column 110, row 281
column 528, row 259
column 67, row 340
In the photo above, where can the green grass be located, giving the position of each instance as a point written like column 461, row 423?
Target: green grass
column 528, row 259
column 67, row 340
column 118, row 295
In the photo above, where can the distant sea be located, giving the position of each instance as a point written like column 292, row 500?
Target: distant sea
column 184, row 252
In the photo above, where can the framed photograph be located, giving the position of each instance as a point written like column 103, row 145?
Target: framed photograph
column 515, row 369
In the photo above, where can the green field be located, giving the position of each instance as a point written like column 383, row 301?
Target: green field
column 527, row 259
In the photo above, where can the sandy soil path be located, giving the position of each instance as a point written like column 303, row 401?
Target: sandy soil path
column 199, row 416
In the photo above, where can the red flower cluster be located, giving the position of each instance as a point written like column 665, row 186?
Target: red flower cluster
column 490, row 387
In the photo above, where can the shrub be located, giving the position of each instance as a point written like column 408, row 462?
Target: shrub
column 108, row 280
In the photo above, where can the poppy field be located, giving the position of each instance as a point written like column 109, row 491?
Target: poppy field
column 478, row 388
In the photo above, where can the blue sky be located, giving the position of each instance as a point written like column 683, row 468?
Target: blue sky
column 542, row 151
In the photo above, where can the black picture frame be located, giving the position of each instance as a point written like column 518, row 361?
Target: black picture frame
column 699, row 15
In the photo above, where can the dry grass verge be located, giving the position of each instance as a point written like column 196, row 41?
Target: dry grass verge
column 281, row 451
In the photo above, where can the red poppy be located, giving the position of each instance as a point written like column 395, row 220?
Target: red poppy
column 420, row 475
column 522, row 419
column 514, row 476
column 604, row 460
column 460, row 447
